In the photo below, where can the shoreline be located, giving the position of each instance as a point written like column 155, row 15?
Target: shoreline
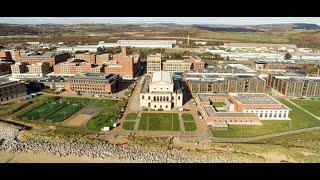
column 28, row 157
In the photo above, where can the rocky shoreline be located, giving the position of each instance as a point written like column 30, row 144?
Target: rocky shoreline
column 10, row 143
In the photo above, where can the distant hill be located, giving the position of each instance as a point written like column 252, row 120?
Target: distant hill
column 226, row 29
column 259, row 28
column 12, row 29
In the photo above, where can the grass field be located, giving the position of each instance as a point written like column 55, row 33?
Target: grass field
column 218, row 104
column 131, row 116
column 190, row 126
column 42, row 110
column 300, row 120
column 312, row 106
column 187, row 117
column 159, row 122
column 128, row 125
column 65, row 112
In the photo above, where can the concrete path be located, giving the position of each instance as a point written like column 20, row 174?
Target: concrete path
column 181, row 122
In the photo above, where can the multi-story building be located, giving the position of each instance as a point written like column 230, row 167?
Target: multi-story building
column 295, row 85
column 10, row 90
column 102, row 58
column 240, row 108
column 122, row 65
column 95, row 84
column 262, row 105
column 5, row 55
column 23, row 70
column 154, row 63
column 225, row 84
column 5, row 67
column 89, row 57
column 52, row 59
column 270, row 66
column 197, row 64
column 19, row 67
column 75, row 66
column 176, row 65
column 162, row 93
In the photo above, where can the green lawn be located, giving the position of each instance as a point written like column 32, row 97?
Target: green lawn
column 65, row 112
column 312, row 106
column 159, row 122
column 128, row 125
column 187, row 117
column 131, row 116
column 300, row 120
column 109, row 114
column 42, row 110
column 190, row 126
column 218, row 104
column 110, row 111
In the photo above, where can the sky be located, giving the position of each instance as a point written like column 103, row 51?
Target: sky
column 150, row 20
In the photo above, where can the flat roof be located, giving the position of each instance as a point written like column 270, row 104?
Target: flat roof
column 253, row 98
column 209, row 110
column 233, row 114
column 145, row 86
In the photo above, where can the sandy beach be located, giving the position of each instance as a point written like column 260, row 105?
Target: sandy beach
column 7, row 157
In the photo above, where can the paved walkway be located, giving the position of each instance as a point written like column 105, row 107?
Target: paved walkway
column 182, row 128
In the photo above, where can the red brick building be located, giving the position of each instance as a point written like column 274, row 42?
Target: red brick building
column 5, row 55
column 76, row 67
column 52, row 59
column 5, row 67
column 89, row 57
column 122, row 64
column 95, row 84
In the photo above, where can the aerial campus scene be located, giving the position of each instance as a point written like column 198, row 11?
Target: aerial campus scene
column 160, row 89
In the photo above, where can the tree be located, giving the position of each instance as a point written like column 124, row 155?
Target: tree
column 99, row 50
column 287, row 56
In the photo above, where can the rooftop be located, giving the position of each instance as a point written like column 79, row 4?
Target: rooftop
column 253, row 98
column 95, row 76
column 162, row 76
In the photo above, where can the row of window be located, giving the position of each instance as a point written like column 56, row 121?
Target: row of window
column 160, row 98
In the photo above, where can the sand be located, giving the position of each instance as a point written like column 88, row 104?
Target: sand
column 6, row 157
column 79, row 119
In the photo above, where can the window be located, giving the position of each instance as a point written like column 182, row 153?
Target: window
column 166, row 106
column 155, row 106
column 148, row 97
column 142, row 96
column 178, row 97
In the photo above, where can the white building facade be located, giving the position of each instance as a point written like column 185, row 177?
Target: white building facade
column 162, row 93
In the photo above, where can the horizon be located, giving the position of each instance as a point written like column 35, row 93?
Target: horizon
column 161, row 20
